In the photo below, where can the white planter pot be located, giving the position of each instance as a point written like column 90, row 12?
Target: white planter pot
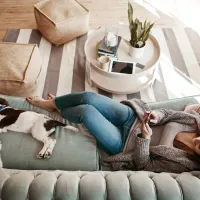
column 136, row 52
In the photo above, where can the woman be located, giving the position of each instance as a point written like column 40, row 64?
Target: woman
column 126, row 129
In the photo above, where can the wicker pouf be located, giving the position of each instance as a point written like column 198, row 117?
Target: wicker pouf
column 60, row 21
column 20, row 67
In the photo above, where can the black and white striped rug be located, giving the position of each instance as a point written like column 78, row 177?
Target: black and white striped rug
column 64, row 66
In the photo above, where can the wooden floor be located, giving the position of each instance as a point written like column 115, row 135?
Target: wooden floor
column 19, row 13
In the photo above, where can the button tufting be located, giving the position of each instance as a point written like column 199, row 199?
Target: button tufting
column 109, row 185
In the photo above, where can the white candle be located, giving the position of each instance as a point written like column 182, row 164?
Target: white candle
column 111, row 39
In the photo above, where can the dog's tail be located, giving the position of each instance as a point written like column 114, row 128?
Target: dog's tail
column 57, row 123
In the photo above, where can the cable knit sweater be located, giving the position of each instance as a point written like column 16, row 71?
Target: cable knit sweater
column 161, row 158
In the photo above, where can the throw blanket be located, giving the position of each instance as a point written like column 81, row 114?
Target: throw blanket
column 159, row 158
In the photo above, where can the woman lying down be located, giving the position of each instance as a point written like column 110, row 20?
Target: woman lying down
column 135, row 137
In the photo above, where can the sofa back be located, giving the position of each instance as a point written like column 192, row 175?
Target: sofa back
column 121, row 185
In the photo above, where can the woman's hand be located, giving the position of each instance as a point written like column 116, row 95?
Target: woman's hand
column 151, row 117
column 145, row 128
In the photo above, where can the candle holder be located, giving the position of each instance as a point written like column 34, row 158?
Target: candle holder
column 111, row 36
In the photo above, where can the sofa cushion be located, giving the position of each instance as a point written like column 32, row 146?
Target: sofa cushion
column 20, row 67
column 73, row 151
column 122, row 185
column 62, row 20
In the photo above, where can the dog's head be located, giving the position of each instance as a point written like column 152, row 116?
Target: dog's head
column 3, row 102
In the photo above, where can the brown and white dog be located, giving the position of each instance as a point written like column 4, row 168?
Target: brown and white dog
column 39, row 125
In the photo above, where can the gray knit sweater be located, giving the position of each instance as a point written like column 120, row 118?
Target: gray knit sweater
column 161, row 158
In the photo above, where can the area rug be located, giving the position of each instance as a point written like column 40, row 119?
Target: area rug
column 64, row 68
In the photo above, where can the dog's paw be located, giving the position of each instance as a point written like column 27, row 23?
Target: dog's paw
column 48, row 154
column 40, row 156
column 49, row 150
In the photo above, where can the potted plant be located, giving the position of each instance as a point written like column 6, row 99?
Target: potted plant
column 139, row 34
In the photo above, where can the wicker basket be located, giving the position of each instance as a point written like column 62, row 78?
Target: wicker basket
column 61, row 21
column 20, row 67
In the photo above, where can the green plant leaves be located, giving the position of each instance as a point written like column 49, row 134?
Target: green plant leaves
column 146, row 32
column 130, row 14
column 139, row 31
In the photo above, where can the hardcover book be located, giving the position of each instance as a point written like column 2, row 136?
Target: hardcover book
column 110, row 51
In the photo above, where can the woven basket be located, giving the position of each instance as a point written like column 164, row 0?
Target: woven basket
column 20, row 67
column 61, row 21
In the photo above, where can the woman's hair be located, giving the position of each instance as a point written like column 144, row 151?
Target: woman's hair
column 191, row 154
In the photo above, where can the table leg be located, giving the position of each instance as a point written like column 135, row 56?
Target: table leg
column 88, row 74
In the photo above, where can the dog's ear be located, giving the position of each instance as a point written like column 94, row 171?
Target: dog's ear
column 3, row 102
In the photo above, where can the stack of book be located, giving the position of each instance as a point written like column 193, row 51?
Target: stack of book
column 103, row 50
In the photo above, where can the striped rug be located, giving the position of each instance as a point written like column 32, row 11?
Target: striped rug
column 64, row 67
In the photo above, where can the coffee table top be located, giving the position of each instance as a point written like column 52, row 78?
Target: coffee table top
column 149, row 59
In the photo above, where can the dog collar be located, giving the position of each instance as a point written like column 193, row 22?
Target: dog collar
column 2, row 107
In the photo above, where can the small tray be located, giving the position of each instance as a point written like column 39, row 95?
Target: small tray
column 120, row 83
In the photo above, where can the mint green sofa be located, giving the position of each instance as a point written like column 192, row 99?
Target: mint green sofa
column 75, row 171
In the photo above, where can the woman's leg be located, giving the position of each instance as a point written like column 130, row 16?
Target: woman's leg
column 72, row 106
column 107, row 135
column 115, row 112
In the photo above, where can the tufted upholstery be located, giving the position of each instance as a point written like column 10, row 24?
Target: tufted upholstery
column 63, row 185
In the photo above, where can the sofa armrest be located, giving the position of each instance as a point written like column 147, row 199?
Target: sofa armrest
column 175, row 104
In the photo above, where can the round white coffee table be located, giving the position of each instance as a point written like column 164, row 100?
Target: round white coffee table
column 117, row 82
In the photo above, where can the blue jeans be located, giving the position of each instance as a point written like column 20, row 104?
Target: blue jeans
column 106, row 119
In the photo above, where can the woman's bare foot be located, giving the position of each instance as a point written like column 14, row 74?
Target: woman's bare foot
column 42, row 103
column 50, row 97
